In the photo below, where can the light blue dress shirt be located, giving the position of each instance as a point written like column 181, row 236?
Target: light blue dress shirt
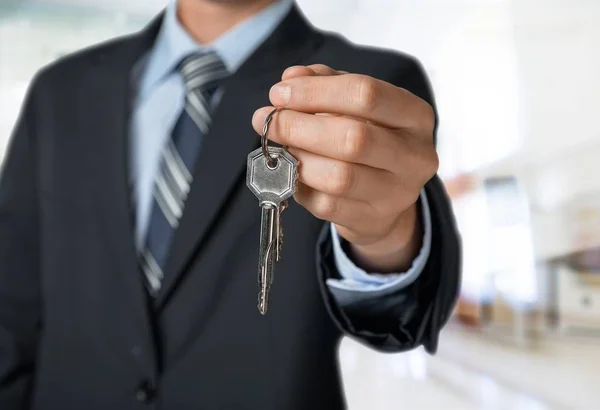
column 160, row 101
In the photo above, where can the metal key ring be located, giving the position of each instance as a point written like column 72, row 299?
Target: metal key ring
column 264, row 140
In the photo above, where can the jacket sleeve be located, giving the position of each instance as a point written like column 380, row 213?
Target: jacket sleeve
column 414, row 315
column 20, row 318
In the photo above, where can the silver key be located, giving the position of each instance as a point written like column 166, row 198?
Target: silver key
column 272, row 183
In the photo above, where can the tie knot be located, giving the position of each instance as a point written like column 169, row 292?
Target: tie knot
column 202, row 72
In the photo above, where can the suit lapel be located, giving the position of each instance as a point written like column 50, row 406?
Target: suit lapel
column 110, row 98
column 221, row 164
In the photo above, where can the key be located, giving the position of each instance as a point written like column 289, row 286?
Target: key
column 272, row 183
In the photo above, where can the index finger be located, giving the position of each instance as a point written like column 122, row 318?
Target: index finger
column 354, row 95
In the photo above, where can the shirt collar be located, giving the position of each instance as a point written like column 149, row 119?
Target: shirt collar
column 234, row 47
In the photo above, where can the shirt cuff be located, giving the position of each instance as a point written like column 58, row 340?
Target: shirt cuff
column 356, row 283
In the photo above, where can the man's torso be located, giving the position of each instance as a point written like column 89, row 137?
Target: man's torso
column 202, row 344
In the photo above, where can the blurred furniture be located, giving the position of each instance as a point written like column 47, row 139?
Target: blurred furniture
column 469, row 312
column 577, row 301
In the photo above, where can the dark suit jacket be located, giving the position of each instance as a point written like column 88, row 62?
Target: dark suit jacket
column 76, row 329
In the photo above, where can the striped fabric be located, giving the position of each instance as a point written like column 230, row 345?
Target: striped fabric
column 201, row 74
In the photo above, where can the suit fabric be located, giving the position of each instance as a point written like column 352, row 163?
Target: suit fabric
column 77, row 330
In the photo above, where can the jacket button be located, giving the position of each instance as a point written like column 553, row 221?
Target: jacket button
column 145, row 392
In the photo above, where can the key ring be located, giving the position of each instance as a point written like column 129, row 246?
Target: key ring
column 264, row 141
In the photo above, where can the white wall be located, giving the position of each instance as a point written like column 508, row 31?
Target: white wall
column 559, row 61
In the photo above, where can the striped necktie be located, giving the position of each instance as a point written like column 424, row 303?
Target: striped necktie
column 201, row 75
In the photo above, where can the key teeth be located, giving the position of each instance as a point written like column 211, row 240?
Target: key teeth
column 280, row 245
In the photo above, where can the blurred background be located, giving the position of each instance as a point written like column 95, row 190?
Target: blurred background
column 517, row 88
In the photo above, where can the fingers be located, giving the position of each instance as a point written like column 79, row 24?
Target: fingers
column 347, row 213
column 311, row 70
column 365, row 150
column 353, row 95
column 342, row 179
column 340, row 138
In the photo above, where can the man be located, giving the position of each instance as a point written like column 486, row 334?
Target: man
column 129, row 241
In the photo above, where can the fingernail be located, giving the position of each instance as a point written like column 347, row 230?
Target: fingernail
column 280, row 94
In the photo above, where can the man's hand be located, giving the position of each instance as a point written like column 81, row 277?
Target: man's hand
column 365, row 149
